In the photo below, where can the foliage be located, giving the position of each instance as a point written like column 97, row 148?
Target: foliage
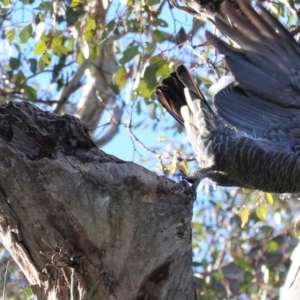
column 45, row 42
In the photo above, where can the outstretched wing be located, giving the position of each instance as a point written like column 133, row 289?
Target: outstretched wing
column 266, row 68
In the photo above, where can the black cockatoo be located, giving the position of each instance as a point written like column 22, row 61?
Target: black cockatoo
column 258, row 146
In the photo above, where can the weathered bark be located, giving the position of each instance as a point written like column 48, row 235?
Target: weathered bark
column 82, row 224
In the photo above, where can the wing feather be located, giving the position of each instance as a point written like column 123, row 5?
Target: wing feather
column 266, row 68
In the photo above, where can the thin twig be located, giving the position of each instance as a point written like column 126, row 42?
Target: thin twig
column 4, row 281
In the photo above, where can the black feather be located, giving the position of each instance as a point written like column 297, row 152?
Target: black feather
column 258, row 145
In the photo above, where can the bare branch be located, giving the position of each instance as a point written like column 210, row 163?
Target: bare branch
column 112, row 127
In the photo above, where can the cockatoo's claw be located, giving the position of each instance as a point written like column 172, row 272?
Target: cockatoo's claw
column 194, row 180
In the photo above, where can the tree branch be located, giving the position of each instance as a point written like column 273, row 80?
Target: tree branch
column 81, row 222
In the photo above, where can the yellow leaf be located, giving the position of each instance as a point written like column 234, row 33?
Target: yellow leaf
column 161, row 139
column 74, row 3
column 261, row 212
column 183, row 167
column 297, row 226
column 170, row 168
column 244, row 215
column 269, row 198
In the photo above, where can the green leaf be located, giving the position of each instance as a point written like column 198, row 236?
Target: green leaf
column 266, row 230
column 269, row 198
column 25, row 33
column 57, row 41
column 79, row 58
column 207, row 82
column 10, row 34
column 261, row 212
column 19, row 78
column 143, row 89
column 39, row 48
column 14, row 63
column 162, row 23
column 161, row 66
column 41, row 64
column 59, row 50
column 88, row 34
column 158, row 36
column 271, row 246
column 30, row 92
column 70, row 44
column 149, row 78
column 90, row 23
column 129, row 54
column 153, row 2
column 18, row 47
column 45, row 5
column 33, row 65
column 6, row 2
column 163, row 70
column 39, row 18
column 135, row 26
column 148, row 82
column 120, row 77
column 71, row 17
column 111, row 25
column 27, row 292
column 94, row 51
column 241, row 262
column 149, row 47
column 46, row 57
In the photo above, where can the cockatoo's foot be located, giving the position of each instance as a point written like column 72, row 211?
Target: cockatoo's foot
column 194, row 180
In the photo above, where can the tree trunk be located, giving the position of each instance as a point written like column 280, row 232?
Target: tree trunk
column 82, row 224
column 291, row 288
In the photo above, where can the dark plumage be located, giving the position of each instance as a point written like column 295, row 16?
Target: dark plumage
column 261, row 148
